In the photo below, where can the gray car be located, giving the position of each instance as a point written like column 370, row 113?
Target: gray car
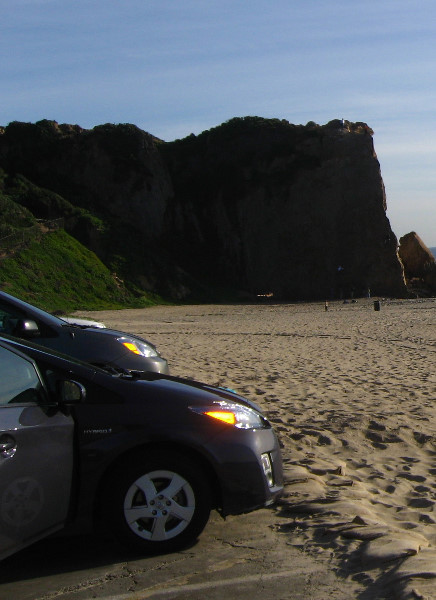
column 103, row 347
column 144, row 460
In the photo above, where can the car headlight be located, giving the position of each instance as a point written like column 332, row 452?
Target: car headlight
column 138, row 347
column 232, row 413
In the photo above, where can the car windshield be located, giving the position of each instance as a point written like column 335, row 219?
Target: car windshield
column 28, row 345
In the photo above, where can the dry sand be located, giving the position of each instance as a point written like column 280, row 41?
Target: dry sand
column 352, row 394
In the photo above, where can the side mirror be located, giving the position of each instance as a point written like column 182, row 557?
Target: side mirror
column 71, row 392
column 26, row 328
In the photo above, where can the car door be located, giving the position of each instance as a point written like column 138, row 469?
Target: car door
column 36, row 455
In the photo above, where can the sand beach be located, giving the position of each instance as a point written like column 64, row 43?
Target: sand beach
column 351, row 392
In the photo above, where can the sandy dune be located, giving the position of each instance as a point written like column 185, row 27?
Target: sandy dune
column 352, row 394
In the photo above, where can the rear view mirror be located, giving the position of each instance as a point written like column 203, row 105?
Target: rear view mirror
column 71, row 392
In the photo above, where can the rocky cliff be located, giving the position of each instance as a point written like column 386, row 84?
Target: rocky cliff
column 419, row 264
column 298, row 211
column 255, row 205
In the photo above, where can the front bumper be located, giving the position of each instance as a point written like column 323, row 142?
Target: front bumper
column 158, row 365
column 134, row 362
column 241, row 466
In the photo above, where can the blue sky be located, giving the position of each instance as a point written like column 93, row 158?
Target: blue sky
column 175, row 67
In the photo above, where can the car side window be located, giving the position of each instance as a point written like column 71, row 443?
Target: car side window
column 19, row 381
column 9, row 316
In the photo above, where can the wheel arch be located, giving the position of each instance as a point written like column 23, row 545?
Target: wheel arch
column 154, row 448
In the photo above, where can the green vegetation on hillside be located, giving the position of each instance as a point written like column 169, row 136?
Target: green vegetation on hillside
column 13, row 216
column 54, row 270
column 57, row 273
column 45, row 204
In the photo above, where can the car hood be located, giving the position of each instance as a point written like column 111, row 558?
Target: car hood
column 111, row 333
column 196, row 392
column 83, row 322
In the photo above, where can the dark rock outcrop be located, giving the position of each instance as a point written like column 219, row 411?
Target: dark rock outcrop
column 116, row 173
column 273, row 207
column 111, row 170
column 419, row 263
column 257, row 205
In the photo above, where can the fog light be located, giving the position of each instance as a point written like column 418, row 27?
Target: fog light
column 267, row 469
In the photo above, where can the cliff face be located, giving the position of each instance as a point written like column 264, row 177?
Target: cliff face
column 255, row 205
column 272, row 207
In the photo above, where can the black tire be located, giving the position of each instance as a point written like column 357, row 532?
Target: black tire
column 156, row 504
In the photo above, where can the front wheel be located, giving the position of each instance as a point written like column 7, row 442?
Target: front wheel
column 157, row 504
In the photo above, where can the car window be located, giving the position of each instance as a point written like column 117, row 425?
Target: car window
column 19, row 381
column 9, row 315
column 26, row 309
